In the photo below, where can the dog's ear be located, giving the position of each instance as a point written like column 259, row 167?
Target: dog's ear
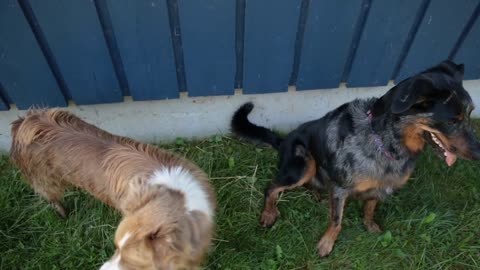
column 409, row 93
column 147, row 223
column 460, row 72
column 160, row 228
column 161, row 231
column 461, row 68
column 453, row 69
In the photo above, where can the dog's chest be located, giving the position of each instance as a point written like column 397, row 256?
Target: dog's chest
column 371, row 186
column 380, row 178
column 365, row 184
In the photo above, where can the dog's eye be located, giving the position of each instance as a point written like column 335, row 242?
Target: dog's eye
column 452, row 121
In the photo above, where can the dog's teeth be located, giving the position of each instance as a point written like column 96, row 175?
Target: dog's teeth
column 437, row 141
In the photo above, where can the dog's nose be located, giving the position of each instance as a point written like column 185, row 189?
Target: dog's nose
column 475, row 151
column 474, row 145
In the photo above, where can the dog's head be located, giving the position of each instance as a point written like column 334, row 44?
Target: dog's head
column 155, row 240
column 434, row 107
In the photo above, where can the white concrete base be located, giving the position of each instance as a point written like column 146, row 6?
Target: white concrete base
column 165, row 120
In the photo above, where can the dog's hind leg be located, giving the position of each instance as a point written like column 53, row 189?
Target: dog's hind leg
column 283, row 183
column 338, row 197
column 368, row 213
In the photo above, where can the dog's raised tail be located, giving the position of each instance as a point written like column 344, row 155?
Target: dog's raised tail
column 242, row 127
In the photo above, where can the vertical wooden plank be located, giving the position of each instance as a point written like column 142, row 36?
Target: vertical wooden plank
column 176, row 33
column 385, row 32
column 239, row 41
column 24, row 72
column 359, row 26
column 73, row 32
column 469, row 51
column 3, row 99
column 3, row 106
column 302, row 20
column 208, row 38
column 112, row 46
column 328, row 37
column 436, row 35
column 143, row 37
column 270, row 31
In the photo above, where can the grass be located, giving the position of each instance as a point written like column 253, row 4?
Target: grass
column 432, row 223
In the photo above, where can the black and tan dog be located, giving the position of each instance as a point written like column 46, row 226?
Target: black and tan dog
column 366, row 149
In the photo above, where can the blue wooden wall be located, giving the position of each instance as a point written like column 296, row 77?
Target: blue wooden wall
column 91, row 52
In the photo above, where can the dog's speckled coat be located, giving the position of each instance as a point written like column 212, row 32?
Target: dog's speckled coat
column 367, row 149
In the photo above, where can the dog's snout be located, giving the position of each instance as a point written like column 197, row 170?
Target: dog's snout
column 475, row 151
column 473, row 145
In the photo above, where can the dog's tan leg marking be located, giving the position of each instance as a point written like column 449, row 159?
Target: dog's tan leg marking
column 270, row 211
column 325, row 245
column 368, row 214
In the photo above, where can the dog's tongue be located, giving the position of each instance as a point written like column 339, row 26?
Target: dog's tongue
column 450, row 158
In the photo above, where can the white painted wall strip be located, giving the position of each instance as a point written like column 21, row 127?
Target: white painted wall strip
column 165, row 120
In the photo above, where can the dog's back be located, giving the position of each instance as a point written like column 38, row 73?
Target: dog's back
column 55, row 149
column 38, row 123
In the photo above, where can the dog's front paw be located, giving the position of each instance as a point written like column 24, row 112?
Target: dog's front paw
column 372, row 227
column 325, row 246
column 268, row 218
column 60, row 209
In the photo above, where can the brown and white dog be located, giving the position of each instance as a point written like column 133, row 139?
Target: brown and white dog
column 166, row 201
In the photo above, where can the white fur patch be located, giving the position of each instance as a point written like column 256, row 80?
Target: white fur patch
column 123, row 240
column 112, row 264
column 179, row 179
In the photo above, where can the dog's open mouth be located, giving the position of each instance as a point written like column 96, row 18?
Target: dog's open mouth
column 450, row 157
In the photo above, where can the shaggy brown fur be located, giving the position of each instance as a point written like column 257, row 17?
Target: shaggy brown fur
column 54, row 149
